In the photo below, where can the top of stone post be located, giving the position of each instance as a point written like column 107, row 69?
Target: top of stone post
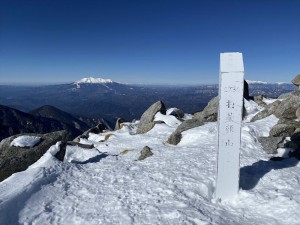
column 231, row 62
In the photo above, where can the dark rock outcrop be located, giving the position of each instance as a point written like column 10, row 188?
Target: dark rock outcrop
column 15, row 159
column 178, row 113
column 145, row 153
column 293, row 144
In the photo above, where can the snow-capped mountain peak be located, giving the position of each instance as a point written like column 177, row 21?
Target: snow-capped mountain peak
column 92, row 80
column 256, row 82
column 264, row 82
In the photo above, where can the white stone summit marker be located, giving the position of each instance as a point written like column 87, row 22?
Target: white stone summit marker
column 231, row 88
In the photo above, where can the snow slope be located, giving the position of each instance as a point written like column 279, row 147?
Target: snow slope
column 105, row 185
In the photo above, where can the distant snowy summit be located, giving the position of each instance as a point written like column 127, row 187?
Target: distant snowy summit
column 92, row 80
column 263, row 82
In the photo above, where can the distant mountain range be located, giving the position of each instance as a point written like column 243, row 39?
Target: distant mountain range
column 264, row 82
column 97, row 98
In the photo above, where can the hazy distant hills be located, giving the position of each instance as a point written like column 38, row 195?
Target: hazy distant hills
column 103, row 98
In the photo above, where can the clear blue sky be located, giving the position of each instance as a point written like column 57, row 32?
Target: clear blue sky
column 146, row 41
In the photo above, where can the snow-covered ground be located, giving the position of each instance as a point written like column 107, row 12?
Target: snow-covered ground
column 106, row 185
column 25, row 141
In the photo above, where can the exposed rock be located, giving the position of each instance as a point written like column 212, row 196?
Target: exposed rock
column 86, row 146
column 287, row 108
column 145, row 153
column 178, row 113
column 259, row 100
column 148, row 115
column 298, row 113
column 96, row 130
column 290, row 94
column 174, row 138
column 15, row 159
column 294, row 123
column 124, row 152
column 282, row 130
column 210, row 112
column 270, row 144
column 189, row 124
column 144, row 128
column 146, row 121
column 269, row 110
column 296, row 80
column 118, row 123
column 285, row 95
column 60, row 155
column 107, row 136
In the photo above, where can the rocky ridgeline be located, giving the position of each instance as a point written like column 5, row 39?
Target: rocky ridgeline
column 285, row 134
column 15, row 159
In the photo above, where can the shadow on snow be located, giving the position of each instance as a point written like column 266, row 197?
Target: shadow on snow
column 94, row 159
column 250, row 175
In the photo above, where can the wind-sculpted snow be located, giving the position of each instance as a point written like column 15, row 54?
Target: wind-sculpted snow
column 173, row 186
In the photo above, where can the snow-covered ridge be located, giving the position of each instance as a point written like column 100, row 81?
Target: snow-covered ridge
column 256, row 82
column 263, row 82
column 92, row 80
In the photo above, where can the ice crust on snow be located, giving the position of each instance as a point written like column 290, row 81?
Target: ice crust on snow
column 174, row 186
column 25, row 141
column 92, row 80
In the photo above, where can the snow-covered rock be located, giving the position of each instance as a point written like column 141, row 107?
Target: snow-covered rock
column 256, row 82
column 25, row 141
